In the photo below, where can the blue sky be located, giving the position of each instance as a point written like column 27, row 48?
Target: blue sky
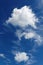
column 21, row 32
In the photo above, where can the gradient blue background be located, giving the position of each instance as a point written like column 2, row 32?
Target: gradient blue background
column 7, row 31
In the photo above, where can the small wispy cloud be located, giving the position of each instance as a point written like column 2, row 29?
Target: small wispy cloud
column 40, row 4
column 2, row 55
column 5, row 59
column 29, row 35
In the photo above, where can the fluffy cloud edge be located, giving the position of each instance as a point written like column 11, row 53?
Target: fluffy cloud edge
column 21, row 56
column 23, row 17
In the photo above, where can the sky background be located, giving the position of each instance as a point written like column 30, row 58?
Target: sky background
column 16, row 47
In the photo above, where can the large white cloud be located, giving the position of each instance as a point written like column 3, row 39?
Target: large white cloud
column 21, row 56
column 23, row 17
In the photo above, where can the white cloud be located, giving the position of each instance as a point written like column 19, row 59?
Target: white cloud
column 23, row 17
column 39, row 40
column 32, row 34
column 20, row 34
column 29, row 35
column 21, row 56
